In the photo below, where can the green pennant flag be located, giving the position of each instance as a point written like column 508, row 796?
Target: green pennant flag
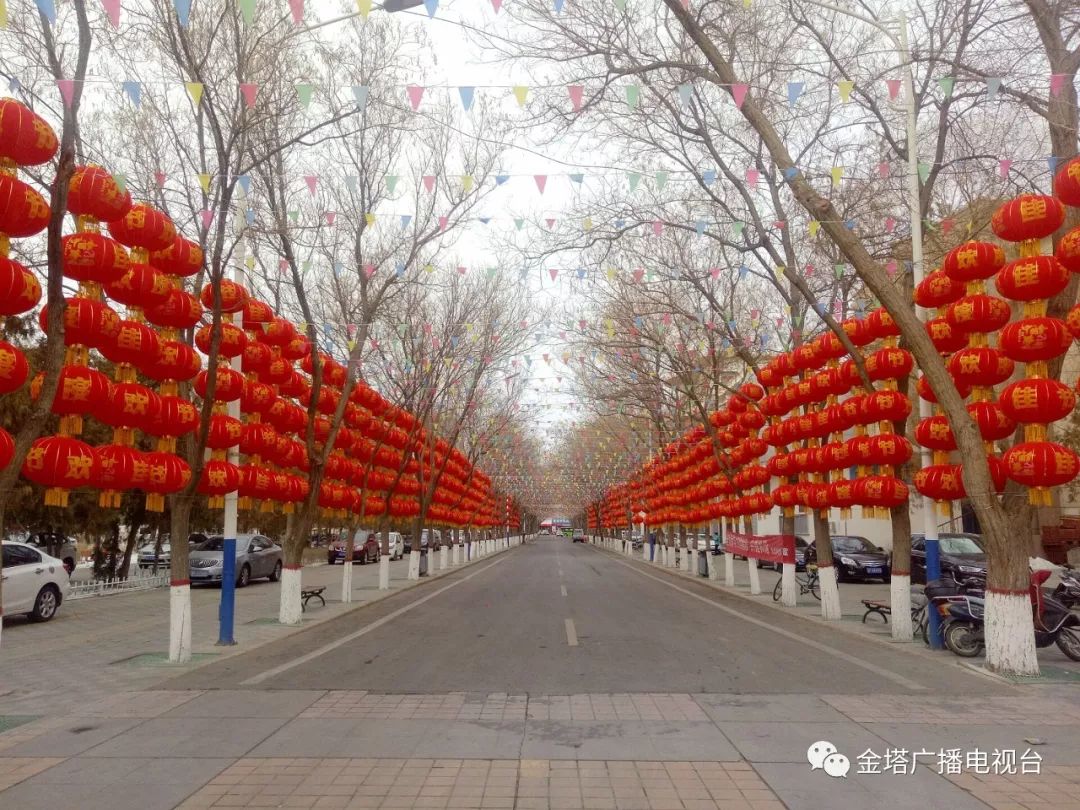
column 294, row 215
column 520, row 223
column 634, row 178
column 121, row 182
column 492, row 271
column 633, row 96
column 391, row 183
column 303, row 93
column 838, row 269
column 946, row 83
column 924, row 171
column 661, row 180
column 620, row 5
column 738, row 227
column 247, row 10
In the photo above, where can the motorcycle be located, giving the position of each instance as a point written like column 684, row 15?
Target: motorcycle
column 963, row 618
column 1068, row 590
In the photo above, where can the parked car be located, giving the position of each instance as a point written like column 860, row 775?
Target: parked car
column 427, row 540
column 855, row 557
column 34, row 582
column 395, row 545
column 962, row 556
column 801, row 546
column 365, row 548
column 147, row 556
column 578, row 537
column 256, row 557
column 53, row 544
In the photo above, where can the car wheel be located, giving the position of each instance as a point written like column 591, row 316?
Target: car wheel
column 46, row 604
column 276, row 575
column 244, row 578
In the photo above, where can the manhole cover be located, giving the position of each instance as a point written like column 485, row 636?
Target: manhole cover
column 10, row 721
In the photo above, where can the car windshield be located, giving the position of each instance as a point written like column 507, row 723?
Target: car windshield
column 211, row 544
column 850, row 544
column 960, row 544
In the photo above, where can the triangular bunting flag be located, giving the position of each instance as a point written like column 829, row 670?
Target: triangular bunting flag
column 195, row 90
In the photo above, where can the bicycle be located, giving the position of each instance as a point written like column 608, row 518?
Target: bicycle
column 807, row 584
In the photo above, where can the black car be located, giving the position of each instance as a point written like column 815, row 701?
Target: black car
column 962, row 556
column 801, row 546
column 856, row 558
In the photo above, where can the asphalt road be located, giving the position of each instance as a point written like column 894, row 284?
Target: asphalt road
column 556, row 618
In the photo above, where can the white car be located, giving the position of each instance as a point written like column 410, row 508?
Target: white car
column 146, row 556
column 396, row 545
column 33, row 582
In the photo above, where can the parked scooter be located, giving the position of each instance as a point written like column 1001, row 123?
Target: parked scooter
column 1068, row 590
column 963, row 609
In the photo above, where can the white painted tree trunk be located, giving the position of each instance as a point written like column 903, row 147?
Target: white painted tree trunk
column 830, row 593
column 414, row 564
column 788, row 593
column 346, row 582
column 180, row 623
column 729, row 569
column 291, row 611
column 455, row 555
column 710, row 563
column 1010, row 634
column 755, row 576
column 444, row 554
column 691, row 562
column 384, row 572
column 900, row 602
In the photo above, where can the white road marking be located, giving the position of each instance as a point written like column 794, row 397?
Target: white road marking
column 375, row 625
column 571, row 633
column 563, row 590
column 817, row 645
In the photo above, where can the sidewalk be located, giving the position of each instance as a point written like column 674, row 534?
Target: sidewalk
column 1056, row 666
column 98, row 646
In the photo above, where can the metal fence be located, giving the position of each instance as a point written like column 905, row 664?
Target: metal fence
column 137, row 582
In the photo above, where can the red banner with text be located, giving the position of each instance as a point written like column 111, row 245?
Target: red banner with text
column 776, row 548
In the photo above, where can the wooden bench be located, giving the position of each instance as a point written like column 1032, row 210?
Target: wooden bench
column 307, row 594
column 874, row 607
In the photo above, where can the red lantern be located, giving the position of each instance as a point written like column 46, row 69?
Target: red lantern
column 7, row 448
column 1032, row 279
column 232, row 344
column 993, row 421
column 1027, row 217
column 25, row 138
column 128, row 406
column 145, row 227
column 279, row 332
column 980, row 367
column 1041, row 466
column 176, row 417
column 79, row 391
column 889, row 363
column 1068, row 250
column 141, row 287
column 94, row 193
column 217, row 480
column 225, row 432
column 1034, row 340
column 181, row 310
column 884, row 406
column 935, row 433
column 256, row 314
column 978, row 313
column 945, row 338
column 115, row 472
column 13, row 369
column 973, row 262
column 229, row 384
column 136, row 344
column 927, row 393
column 181, row 258
column 86, row 322
column 164, row 474
column 174, row 361
column 1037, row 402
column 20, row 290
column 233, row 296
column 94, row 258
column 881, row 324
column 941, row 482
column 858, row 331
column 23, row 212
column 59, row 463
column 938, row 290
column 1067, row 183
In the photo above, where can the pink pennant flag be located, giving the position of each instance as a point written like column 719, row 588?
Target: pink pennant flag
column 894, row 88
column 667, row 319
column 715, row 273
column 711, row 326
column 890, row 224
column 780, row 224
column 755, row 314
column 883, row 170
column 461, row 271
column 374, row 344
column 541, row 181
column 416, row 93
column 312, row 182
column 523, row 324
column 497, row 5
column 67, row 90
column 330, row 217
column 890, row 268
column 282, row 265
column 577, row 93
column 562, row 334
column 297, row 8
column 1057, row 84
column 752, row 176
column 207, row 217
column 369, row 270
column 738, row 92
column 809, row 270
column 159, row 178
column 429, row 182
column 112, row 9
column 947, row 225
column 550, row 222
column 582, row 324
column 639, row 274
column 249, row 91
column 443, row 222
column 657, row 227
column 1003, row 168
column 554, row 272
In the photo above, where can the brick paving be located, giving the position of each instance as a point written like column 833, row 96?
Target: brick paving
column 1020, row 711
column 481, row 784
column 1055, row 788
column 15, row 769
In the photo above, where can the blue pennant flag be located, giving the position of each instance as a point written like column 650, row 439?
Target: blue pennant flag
column 501, row 178
column 699, row 226
column 134, row 91
column 1051, row 161
column 620, row 223
column 485, row 220
column 790, row 173
column 849, row 224
column 578, row 178
column 399, row 268
column 47, row 9
column 708, row 177
column 183, row 11
column 245, row 182
column 360, row 93
column 405, row 220
column 432, row 6
column 467, row 96
column 352, row 183
column 743, row 270
column 581, row 272
column 794, row 90
column 558, row 6
column 14, row 85
column 249, row 215
column 639, row 321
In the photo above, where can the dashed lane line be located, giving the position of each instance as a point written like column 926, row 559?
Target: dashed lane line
column 571, row 633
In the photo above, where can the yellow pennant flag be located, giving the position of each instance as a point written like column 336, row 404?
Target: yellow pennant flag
column 3, row 14
column 611, row 273
column 587, row 224
column 610, row 324
column 195, row 91
column 845, row 87
column 430, row 268
column 521, row 93
column 369, row 219
column 780, row 269
column 250, row 262
column 467, row 182
column 364, row 7
column 837, row 172
column 814, row 227
column 204, row 183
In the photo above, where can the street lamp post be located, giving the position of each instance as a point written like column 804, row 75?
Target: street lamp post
column 390, row 6
column 899, row 40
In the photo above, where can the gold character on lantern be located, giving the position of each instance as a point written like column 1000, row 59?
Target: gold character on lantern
column 78, row 468
column 1032, row 208
column 76, row 389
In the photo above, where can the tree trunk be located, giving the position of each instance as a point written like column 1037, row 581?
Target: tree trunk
column 290, row 610
column 830, row 593
column 179, row 581
column 900, row 582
